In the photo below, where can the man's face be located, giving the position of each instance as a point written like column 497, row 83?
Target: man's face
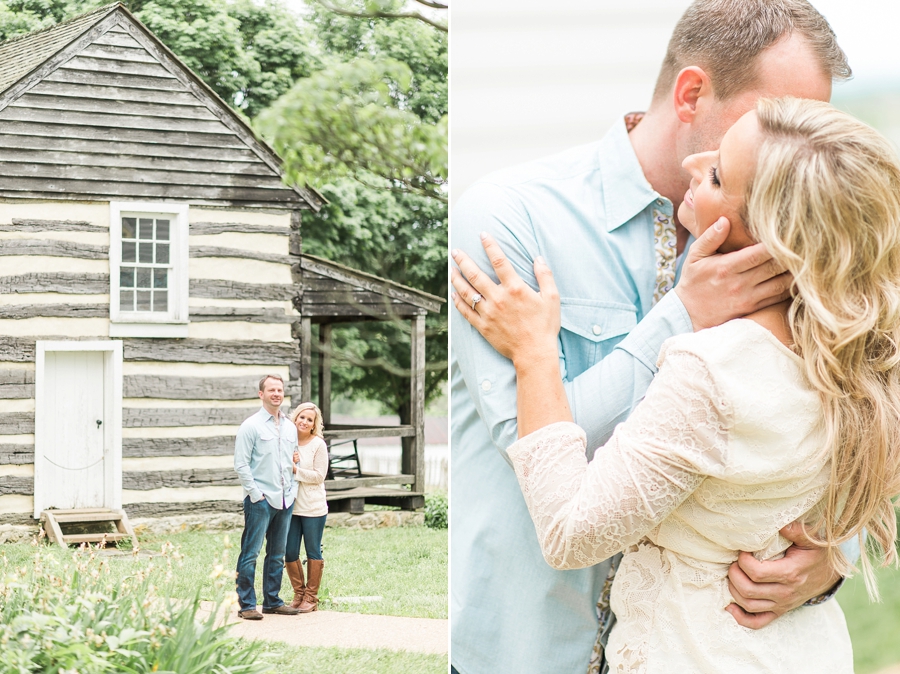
column 272, row 394
column 787, row 68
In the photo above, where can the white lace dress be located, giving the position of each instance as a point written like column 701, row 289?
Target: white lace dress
column 724, row 450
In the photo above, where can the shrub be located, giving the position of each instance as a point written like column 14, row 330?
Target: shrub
column 61, row 616
column 436, row 510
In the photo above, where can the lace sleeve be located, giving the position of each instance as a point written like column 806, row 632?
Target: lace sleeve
column 586, row 512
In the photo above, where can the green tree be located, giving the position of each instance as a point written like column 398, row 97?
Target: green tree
column 369, row 132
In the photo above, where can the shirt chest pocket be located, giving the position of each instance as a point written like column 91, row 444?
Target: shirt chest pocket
column 591, row 329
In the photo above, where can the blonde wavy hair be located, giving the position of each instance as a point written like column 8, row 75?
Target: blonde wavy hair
column 825, row 200
column 318, row 425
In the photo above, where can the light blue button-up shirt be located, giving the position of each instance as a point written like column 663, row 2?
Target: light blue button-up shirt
column 588, row 211
column 263, row 458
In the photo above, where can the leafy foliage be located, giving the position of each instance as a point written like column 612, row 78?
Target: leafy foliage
column 70, row 617
column 436, row 506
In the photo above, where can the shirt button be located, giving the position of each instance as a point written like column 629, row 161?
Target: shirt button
column 485, row 385
column 659, row 202
column 596, row 329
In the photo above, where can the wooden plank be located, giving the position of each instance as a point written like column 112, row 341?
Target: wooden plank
column 190, row 388
column 98, row 149
column 362, row 310
column 192, row 176
column 198, row 477
column 369, row 481
column 140, row 69
column 345, row 296
column 18, row 311
column 16, row 454
column 55, row 282
column 131, row 51
column 16, row 423
column 54, row 533
column 236, row 290
column 15, row 484
column 412, row 459
column 414, row 501
column 16, row 391
column 16, row 377
column 243, row 314
column 118, row 39
column 115, row 134
column 206, row 351
column 206, row 228
column 220, row 445
column 157, row 108
column 26, row 225
column 74, row 539
column 368, row 492
column 305, row 360
column 152, row 509
column 325, row 347
column 240, row 253
column 79, row 189
column 17, row 349
column 51, row 248
column 55, row 118
column 64, row 517
column 139, row 161
column 99, row 78
column 346, row 432
column 190, row 416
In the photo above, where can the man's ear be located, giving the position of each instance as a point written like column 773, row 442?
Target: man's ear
column 691, row 84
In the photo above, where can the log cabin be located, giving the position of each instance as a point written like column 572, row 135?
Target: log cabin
column 150, row 272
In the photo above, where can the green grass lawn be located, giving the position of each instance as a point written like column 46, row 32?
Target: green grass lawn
column 405, row 566
column 285, row 658
column 874, row 628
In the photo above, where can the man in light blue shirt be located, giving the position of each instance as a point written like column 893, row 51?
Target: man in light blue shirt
column 597, row 214
column 263, row 459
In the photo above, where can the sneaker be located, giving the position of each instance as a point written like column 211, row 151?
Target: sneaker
column 250, row 614
column 284, row 609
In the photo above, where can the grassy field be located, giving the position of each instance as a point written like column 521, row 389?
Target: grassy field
column 405, row 566
column 285, row 658
column 874, row 628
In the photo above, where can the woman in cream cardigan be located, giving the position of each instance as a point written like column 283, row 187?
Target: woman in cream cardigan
column 310, row 508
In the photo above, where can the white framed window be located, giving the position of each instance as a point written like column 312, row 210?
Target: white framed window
column 148, row 269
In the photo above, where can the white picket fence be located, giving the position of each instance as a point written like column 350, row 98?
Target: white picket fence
column 386, row 460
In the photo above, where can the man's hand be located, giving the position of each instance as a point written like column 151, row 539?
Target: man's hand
column 716, row 288
column 763, row 591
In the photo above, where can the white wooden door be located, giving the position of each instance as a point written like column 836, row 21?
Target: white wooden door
column 71, row 467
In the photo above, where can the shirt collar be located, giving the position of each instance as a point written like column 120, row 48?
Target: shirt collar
column 626, row 191
column 264, row 413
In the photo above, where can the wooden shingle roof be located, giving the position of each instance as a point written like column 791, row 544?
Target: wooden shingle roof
column 97, row 108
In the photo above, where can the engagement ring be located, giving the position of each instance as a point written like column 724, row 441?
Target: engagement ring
column 476, row 298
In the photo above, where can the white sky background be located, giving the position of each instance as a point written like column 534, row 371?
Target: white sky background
column 530, row 78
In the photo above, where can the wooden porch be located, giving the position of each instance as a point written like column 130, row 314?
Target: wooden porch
column 331, row 294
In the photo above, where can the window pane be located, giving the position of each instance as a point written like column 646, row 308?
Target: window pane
column 143, row 277
column 160, row 301
column 145, row 251
column 162, row 253
column 160, row 278
column 128, row 251
column 143, row 300
column 162, row 230
column 126, row 300
column 145, row 228
column 128, row 228
column 126, row 277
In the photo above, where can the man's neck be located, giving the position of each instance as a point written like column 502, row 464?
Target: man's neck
column 653, row 140
column 274, row 411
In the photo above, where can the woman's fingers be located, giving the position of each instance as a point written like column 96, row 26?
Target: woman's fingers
column 472, row 273
column 501, row 265
column 546, row 282
column 464, row 289
column 466, row 310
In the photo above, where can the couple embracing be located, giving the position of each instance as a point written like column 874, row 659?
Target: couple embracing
column 282, row 463
column 724, row 309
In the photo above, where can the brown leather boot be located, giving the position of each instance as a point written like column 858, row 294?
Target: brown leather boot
column 295, row 574
column 311, row 599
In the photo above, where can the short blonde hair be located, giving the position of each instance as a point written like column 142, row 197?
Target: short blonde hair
column 318, row 424
column 825, row 201
column 725, row 37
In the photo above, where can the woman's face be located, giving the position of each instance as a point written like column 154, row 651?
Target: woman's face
column 719, row 182
column 305, row 422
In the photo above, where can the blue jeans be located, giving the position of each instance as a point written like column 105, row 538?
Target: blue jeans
column 262, row 521
column 309, row 530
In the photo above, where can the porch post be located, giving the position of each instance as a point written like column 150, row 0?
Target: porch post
column 325, row 372
column 305, row 360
